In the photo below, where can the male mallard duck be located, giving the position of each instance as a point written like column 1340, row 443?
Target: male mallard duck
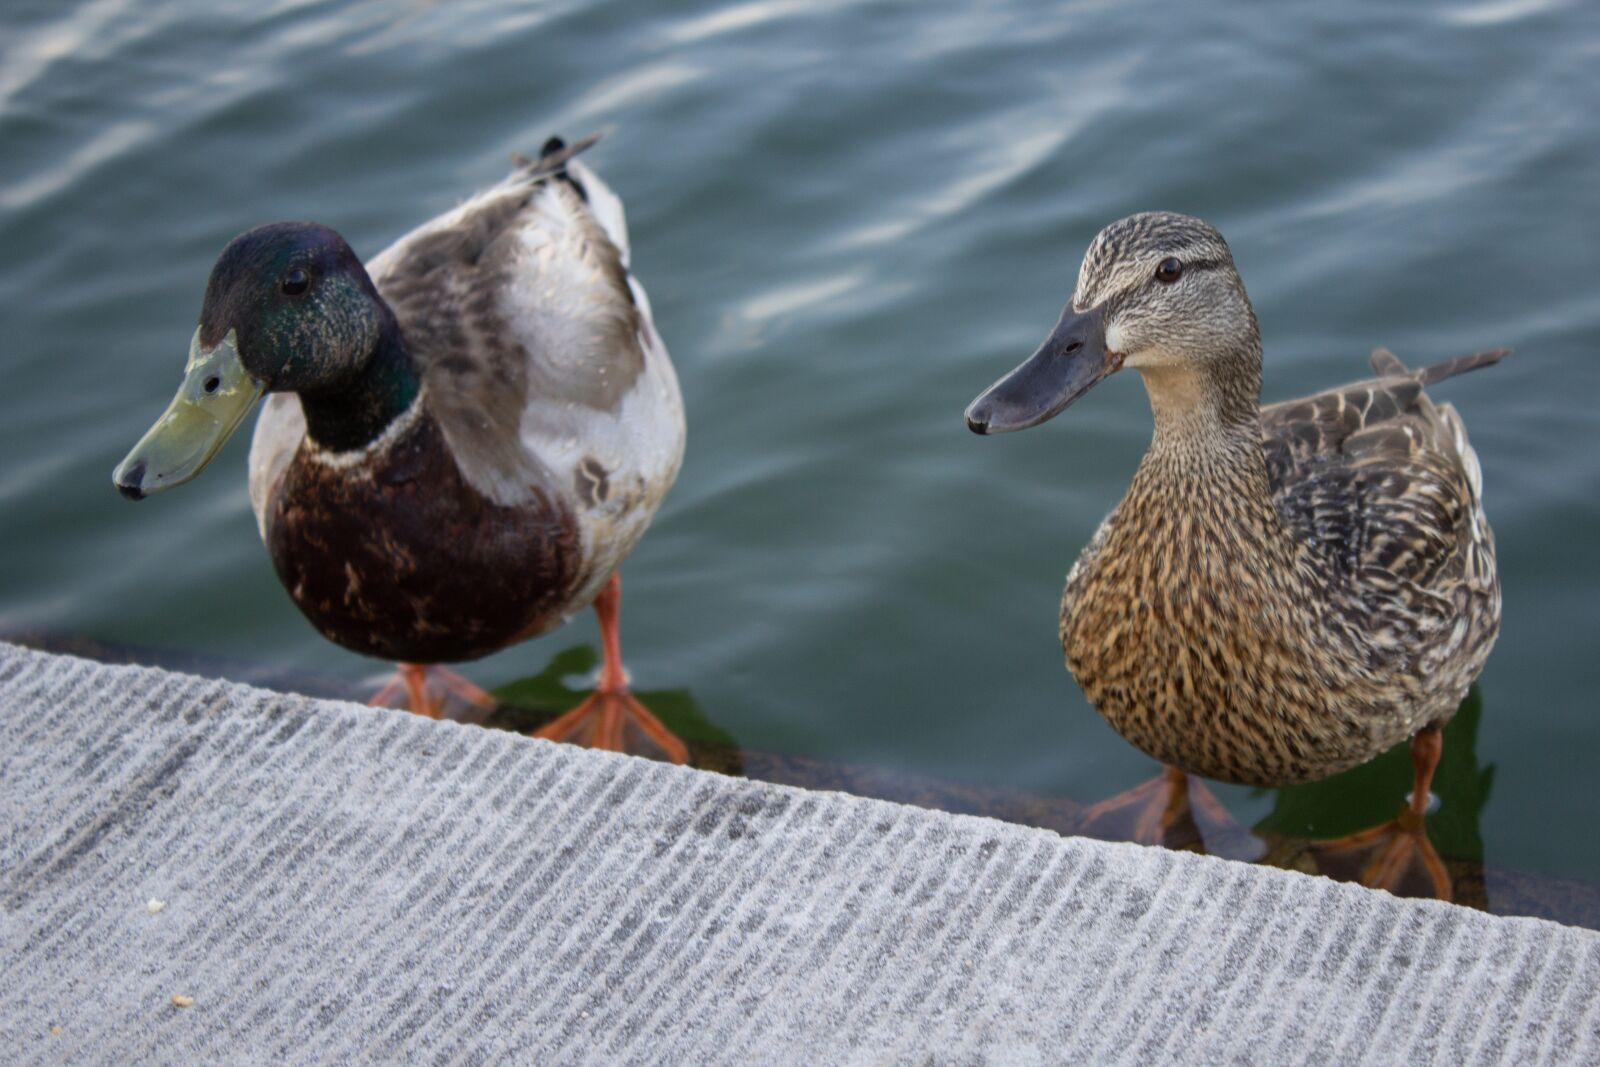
column 465, row 438
column 1283, row 592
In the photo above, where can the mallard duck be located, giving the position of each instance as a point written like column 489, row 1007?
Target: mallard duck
column 461, row 440
column 1283, row 592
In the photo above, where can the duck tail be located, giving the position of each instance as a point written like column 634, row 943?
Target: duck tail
column 553, row 157
column 1460, row 365
column 1386, row 364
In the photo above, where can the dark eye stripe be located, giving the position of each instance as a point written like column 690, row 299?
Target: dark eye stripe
column 1189, row 265
column 1201, row 264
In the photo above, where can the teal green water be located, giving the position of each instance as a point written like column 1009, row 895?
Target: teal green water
column 851, row 218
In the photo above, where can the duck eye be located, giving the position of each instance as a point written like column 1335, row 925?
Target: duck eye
column 296, row 282
column 1168, row 270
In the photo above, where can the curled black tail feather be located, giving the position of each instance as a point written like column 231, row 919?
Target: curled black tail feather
column 553, row 157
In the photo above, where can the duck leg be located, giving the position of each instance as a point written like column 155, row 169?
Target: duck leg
column 602, row 719
column 1160, row 811
column 1396, row 855
column 413, row 679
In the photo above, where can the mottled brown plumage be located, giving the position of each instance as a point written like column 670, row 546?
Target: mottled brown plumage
column 1279, row 613
column 1283, row 592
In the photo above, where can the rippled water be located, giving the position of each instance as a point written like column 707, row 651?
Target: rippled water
column 850, row 217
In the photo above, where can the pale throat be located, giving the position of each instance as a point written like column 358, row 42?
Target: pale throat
column 1195, row 410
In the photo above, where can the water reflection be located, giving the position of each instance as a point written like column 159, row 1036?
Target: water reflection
column 529, row 703
column 1360, row 798
column 1371, row 794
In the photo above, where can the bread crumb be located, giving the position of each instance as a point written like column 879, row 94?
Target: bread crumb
column 181, row 1001
column 155, row 905
column 56, row 1029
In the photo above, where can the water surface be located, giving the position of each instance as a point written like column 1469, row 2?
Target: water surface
column 850, row 218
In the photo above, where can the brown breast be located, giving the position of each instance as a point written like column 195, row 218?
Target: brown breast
column 1187, row 633
column 400, row 558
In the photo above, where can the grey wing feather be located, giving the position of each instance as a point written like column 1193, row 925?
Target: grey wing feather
column 519, row 293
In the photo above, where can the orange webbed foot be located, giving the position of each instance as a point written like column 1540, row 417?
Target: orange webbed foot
column 429, row 690
column 1174, row 810
column 610, row 717
column 1396, row 855
column 614, row 719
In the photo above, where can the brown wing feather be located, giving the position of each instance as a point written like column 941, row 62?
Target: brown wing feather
column 1381, row 483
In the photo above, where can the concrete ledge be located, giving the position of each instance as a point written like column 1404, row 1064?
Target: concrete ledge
column 345, row 885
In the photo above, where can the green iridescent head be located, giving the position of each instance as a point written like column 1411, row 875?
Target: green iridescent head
column 288, row 308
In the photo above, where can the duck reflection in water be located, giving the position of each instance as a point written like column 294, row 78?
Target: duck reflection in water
column 529, row 704
column 1361, row 796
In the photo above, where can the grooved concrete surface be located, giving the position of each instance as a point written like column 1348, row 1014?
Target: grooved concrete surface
column 344, row 885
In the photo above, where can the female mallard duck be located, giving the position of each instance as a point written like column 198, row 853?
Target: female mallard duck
column 1283, row 592
column 465, row 438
